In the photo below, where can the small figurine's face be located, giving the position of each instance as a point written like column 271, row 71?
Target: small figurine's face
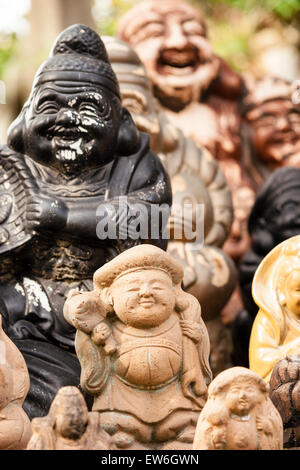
column 241, row 398
column 276, row 132
column 173, row 46
column 71, row 126
column 292, row 292
column 143, row 299
column 71, row 423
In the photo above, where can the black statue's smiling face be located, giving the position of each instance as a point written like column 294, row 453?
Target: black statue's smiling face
column 72, row 126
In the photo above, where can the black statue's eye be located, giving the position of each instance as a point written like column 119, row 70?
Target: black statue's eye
column 47, row 107
column 101, row 109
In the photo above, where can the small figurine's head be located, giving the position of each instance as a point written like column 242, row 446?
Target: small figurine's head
column 140, row 285
column 6, row 385
column 170, row 38
column 69, row 413
column 241, row 388
column 73, row 119
column 274, row 121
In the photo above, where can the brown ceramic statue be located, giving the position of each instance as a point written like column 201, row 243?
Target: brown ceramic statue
column 149, row 392
column 69, row 425
column 272, row 125
column 276, row 290
column 285, row 394
column 15, row 429
column 195, row 179
column 238, row 414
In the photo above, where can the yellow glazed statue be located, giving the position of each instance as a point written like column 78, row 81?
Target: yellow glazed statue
column 276, row 290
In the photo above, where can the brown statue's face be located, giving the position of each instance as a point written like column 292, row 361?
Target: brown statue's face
column 242, row 397
column 275, row 129
column 143, row 299
column 173, row 46
column 71, row 423
column 71, row 126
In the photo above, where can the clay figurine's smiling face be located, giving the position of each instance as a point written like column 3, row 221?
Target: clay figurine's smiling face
column 143, row 299
column 171, row 42
column 242, row 397
column 72, row 126
column 71, row 424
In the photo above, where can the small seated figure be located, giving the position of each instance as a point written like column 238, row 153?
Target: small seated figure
column 69, row 425
column 238, row 414
column 285, row 394
column 15, row 428
column 149, row 392
column 276, row 290
column 74, row 163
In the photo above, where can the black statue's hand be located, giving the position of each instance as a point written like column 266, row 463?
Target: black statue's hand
column 46, row 213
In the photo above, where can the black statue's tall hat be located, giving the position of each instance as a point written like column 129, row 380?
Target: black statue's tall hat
column 78, row 54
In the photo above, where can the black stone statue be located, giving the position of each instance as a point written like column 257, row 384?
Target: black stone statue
column 72, row 149
column 275, row 217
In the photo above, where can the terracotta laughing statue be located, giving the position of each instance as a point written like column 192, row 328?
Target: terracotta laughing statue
column 151, row 389
column 72, row 149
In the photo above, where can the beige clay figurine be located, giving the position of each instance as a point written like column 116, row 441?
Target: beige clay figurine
column 276, row 290
column 238, row 414
column 69, row 425
column 15, row 428
column 149, row 392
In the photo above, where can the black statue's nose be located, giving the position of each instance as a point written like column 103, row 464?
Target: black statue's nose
column 68, row 116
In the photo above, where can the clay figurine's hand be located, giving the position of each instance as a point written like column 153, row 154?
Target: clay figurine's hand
column 100, row 333
column 192, row 330
column 84, row 310
column 263, row 424
column 46, row 213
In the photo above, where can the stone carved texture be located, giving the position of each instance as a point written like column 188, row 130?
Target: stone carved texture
column 69, row 425
column 195, row 179
column 238, row 414
column 276, row 290
column 72, row 148
column 15, row 428
column 149, row 392
column 285, row 394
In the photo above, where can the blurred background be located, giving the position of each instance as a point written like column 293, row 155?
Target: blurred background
column 257, row 36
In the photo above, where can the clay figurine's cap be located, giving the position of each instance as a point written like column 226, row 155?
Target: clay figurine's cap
column 235, row 375
column 135, row 259
column 78, row 50
column 264, row 90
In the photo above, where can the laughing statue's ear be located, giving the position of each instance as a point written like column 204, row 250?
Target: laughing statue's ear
column 128, row 136
column 15, row 134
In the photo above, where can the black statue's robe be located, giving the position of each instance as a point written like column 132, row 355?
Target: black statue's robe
column 38, row 270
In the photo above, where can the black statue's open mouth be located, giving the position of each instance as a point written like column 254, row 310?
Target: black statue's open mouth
column 179, row 62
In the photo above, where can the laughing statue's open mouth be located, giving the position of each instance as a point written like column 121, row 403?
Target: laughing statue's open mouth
column 179, row 62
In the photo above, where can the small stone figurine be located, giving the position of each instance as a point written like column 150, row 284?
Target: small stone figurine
column 285, row 394
column 238, row 414
column 69, row 425
column 149, row 391
column 15, row 428
column 276, row 290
